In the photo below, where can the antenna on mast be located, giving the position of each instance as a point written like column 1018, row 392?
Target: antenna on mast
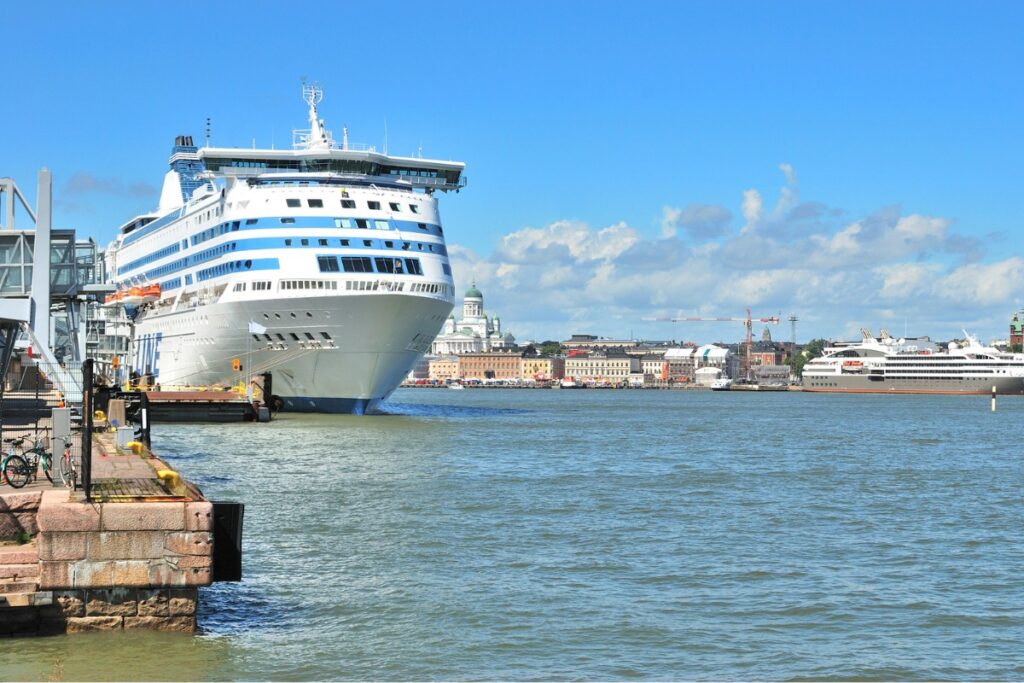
column 385, row 136
column 207, row 131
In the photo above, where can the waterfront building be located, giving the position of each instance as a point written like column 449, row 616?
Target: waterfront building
column 610, row 367
column 419, row 371
column 772, row 374
column 1017, row 329
column 542, row 368
column 475, row 332
column 655, row 367
column 490, row 365
column 593, row 342
column 683, row 363
column 444, row 368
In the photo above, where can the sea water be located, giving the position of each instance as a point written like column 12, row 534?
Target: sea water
column 600, row 534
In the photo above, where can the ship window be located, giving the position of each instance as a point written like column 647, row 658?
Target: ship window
column 251, row 221
column 343, row 222
column 385, row 265
column 374, row 206
column 389, row 245
column 325, row 336
column 405, row 246
column 287, row 220
column 356, row 264
column 361, row 223
column 414, row 208
column 268, row 337
column 367, row 243
column 315, row 203
column 309, row 336
column 421, row 226
column 394, row 206
column 322, row 242
column 412, row 265
column 348, row 203
column 381, row 225
column 447, row 268
column 293, row 203
column 280, row 337
column 344, row 243
column 256, row 337
column 328, row 264
column 305, row 242
column 294, row 336
column 287, row 243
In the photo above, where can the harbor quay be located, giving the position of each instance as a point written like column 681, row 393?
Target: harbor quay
column 132, row 557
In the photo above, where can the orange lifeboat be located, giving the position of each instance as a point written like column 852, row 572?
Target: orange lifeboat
column 113, row 300
column 149, row 293
column 132, row 296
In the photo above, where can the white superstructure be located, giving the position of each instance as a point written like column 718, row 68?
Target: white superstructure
column 914, row 366
column 324, row 264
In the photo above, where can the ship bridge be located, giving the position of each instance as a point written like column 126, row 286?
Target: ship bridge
column 368, row 165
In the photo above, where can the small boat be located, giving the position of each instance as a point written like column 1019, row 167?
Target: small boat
column 721, row 384
column 456, row 386
column 569, row 384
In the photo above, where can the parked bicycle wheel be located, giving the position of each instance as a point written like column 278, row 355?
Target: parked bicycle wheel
column 67, row 470
column 47, row 462
column 16, row 471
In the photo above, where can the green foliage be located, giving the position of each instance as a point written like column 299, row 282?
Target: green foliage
column 1016, row 348
column 24, row 537
column 812, row 349
column 550, row 348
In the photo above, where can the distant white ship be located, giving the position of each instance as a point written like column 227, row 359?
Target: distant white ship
column 721, row 384
column 325, row 264
column 914, row 366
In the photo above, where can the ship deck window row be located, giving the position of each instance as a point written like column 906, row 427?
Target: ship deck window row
column 275, row 222
column 308, row 284
column 275, row 243
column 363, row 264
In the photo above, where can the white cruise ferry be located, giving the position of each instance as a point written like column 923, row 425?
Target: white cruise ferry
column 914, row 366
column 324, row 264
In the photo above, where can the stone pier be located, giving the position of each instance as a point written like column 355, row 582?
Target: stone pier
column 118, row 562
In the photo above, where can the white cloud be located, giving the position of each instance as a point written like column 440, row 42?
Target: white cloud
column 979, row 284
column 867, row 271
column 752, row 208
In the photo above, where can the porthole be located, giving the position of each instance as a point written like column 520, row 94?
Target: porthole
column 308, row 314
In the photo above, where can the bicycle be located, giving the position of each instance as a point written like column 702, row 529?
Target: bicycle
column 19, row 470
column 66, row 467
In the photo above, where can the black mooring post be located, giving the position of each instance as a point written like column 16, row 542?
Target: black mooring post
column 87, row 431
column 144, row 418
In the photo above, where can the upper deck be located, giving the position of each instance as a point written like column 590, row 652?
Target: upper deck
column 368, row 165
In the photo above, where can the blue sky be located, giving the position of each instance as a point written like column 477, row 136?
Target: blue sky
column 857, row 164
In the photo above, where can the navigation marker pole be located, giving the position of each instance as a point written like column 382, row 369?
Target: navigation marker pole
column 993, row 398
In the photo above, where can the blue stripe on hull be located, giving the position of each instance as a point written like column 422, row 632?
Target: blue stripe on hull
column 315, row 404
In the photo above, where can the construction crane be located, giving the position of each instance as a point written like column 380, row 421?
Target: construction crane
column 747, row 321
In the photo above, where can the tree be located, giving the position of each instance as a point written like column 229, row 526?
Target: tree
column 550, row 348
column 813, row 349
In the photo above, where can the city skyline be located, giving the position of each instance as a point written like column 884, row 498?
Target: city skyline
column 852, row 165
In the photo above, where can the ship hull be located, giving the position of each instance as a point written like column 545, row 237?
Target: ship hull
column 330, row 354
column 864, row 385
